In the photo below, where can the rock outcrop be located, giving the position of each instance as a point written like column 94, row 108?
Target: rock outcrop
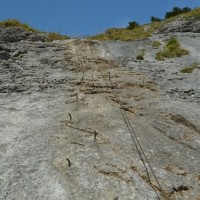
column 181, row 24
column 16, row 34
column 84, row 119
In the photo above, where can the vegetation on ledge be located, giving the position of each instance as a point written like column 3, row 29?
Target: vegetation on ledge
column 190, row 68
column 56, row 36
column 15, row 23
column 123, row 34
column 177, row 11
column 171, row 50
column 156, row 44
column 134, row 31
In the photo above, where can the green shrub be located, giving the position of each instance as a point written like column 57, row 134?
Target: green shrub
column 140, row 57
column 132, row 25
column 56, row 36
column 155, row 19
column 171, row 50
column 190, row 68
column 176, row 11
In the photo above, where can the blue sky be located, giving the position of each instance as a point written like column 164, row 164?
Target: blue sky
column 86, row 17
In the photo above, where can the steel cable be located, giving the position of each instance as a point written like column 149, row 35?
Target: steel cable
column 133, row 135
column 136, row 141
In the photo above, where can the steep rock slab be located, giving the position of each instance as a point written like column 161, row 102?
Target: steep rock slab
column 64, row 136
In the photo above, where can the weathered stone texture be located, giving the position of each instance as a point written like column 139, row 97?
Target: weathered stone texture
column 63, row 136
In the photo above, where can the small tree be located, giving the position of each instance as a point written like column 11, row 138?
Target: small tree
column 186, row 9
column 155, row 19
column 132, row 25
column 176, row 11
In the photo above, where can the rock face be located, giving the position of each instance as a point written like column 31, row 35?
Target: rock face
column 17, row 34
column 182, row 25
column 74, row 115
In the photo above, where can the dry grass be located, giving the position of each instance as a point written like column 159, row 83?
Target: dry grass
column 123, row 34
column 142, row 31
column 193, row 13
column 168, row 168
column 56, row 36
column 16, row 23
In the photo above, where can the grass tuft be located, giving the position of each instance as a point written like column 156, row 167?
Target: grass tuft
column 159, row 56
column 156, row 44
column 56, row 36
column 189, row 69
column 140, row 56
column 171, row 50
column 16, row 23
